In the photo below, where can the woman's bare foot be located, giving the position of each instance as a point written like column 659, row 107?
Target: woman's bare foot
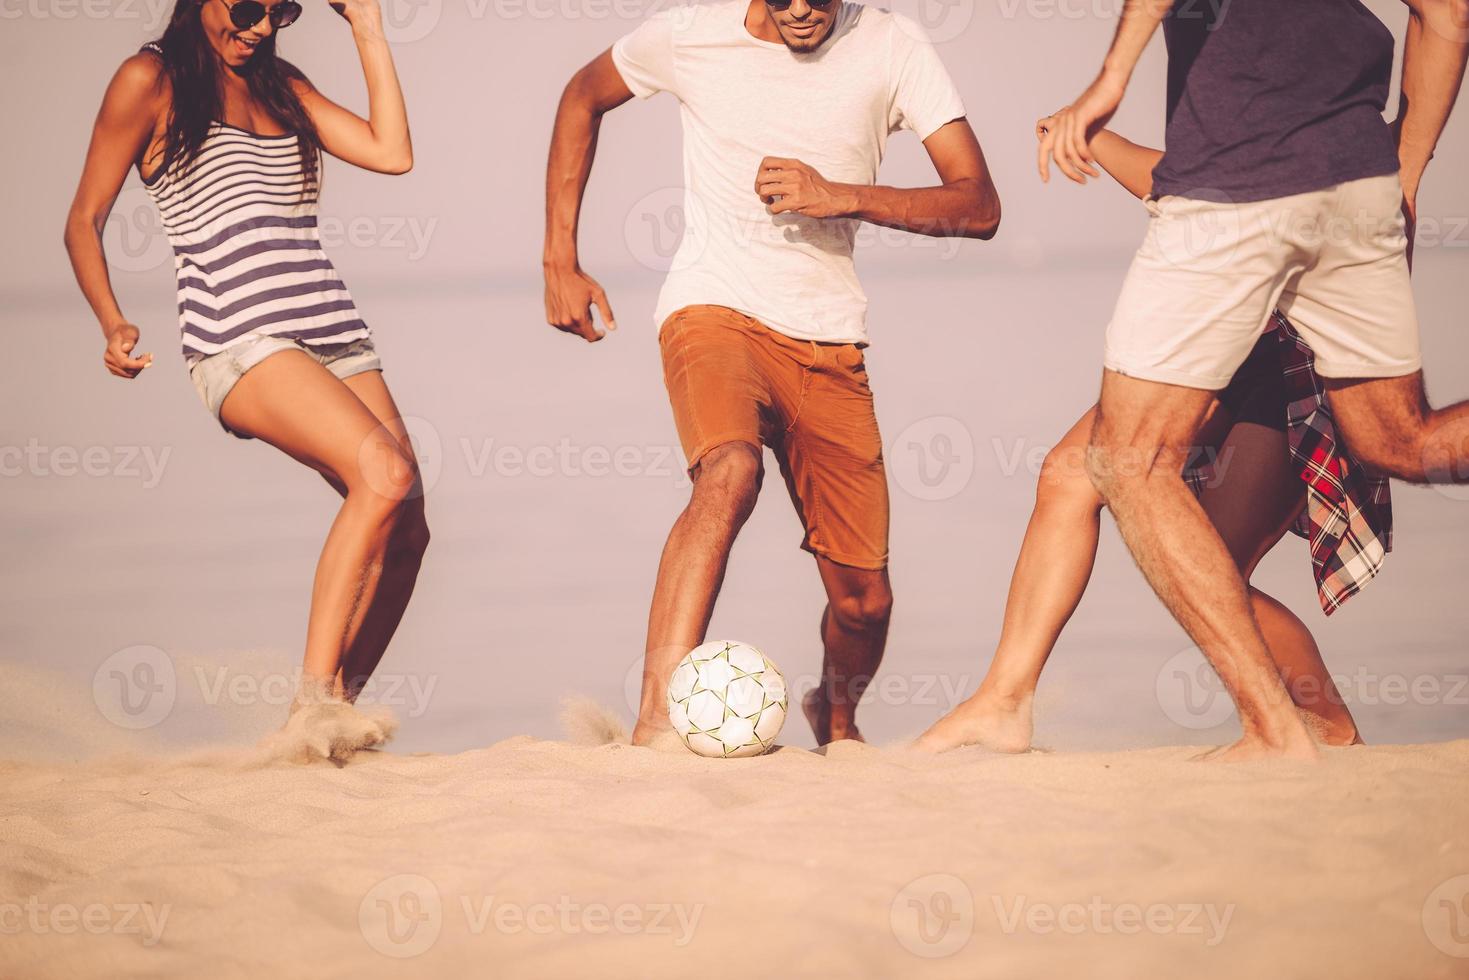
column 827, row 725
column 1000, row 723
column 1336, row 732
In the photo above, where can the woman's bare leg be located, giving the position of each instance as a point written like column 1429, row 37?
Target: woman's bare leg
column 1050, row 577
column 404, row 556
column 1253, row 505
column 293, row 403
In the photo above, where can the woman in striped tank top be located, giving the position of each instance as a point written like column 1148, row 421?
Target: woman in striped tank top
column 227, row 137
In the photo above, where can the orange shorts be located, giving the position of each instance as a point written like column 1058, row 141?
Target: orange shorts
column 733, row 379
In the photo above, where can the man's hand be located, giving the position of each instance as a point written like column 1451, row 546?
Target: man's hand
column 1071, row 130
column 570, row 296
column 118, row 357
column 790, row 185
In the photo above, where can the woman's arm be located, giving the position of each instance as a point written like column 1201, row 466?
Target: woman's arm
column 124, row 128
column 380, row 142
column 1129, row 164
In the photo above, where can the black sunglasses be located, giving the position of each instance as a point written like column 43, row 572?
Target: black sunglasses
column 245, row 14
column 786, row 4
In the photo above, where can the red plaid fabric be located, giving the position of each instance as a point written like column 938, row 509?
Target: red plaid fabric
column 1348, row 515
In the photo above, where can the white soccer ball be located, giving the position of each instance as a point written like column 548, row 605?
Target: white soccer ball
column 727, row 700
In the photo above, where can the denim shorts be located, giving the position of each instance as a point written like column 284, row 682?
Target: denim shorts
column 215, row 375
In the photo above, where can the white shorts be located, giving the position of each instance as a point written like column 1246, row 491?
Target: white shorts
column 1208, row 275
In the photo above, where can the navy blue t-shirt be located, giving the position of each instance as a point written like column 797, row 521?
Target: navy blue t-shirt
column 1268, row 98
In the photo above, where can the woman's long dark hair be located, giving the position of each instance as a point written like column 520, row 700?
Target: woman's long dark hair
column 194, row 72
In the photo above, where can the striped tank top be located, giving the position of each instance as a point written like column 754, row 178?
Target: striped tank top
column 247, row 249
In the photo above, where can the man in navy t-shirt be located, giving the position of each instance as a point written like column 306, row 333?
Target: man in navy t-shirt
column 1281, row 185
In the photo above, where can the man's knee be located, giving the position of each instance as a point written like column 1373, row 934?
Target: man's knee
column 865, row 607
column 727, row 480
column 1384, row 424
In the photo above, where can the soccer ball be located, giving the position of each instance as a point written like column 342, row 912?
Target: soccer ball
column 727, row 700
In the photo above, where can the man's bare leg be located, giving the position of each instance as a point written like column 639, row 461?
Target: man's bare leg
column 854, row 633
column 726, row 486
column 1253, row 505
column 1388, row 425
column 1138, row 448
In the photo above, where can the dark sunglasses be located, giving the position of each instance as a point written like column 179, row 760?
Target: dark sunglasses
column 245, row 14
column 786, row 4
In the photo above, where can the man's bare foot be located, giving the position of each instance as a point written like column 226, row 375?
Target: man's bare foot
column 657, row 733
column 826, row 724
column 999, row 723
column 1252, row 748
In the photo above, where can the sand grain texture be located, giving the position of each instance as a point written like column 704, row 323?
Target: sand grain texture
column 497, row 862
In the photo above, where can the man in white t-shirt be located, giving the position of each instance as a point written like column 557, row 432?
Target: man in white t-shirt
column 786, row 108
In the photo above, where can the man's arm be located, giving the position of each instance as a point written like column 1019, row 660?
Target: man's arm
column 570, row 292
column 1433, row 69
column 1078, row 123
column 964, row 205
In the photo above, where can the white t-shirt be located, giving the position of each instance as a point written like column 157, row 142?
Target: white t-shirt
column 743, row 99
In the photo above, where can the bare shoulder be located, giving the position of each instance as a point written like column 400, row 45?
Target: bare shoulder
column 140, row 86
column 300, row 84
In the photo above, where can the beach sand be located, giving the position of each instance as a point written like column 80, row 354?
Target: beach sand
column 535, row 858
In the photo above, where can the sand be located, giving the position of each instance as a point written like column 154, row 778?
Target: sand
column 534, row 858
